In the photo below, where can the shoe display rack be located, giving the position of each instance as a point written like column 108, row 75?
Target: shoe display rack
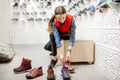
column 30, row 10
column 77, row 8
column 29, row 18
column 42, row 10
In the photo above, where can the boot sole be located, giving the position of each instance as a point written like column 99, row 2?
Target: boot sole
column 28, row 77
column 66, row 78
column 51, row 78
column 22, row 71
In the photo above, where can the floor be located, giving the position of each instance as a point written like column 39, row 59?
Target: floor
column 40, row 57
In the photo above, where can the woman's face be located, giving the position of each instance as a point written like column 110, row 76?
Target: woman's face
column 61, row 18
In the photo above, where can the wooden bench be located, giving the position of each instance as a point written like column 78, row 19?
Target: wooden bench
column 83, row 51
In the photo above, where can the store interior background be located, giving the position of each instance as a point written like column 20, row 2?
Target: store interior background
column 103, row 28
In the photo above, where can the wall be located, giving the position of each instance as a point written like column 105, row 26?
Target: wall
column 4, row 21
column 32, row 23
column 104, row 29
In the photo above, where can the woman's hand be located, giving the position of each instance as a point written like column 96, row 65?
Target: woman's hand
column 68, row 55
column 60, row 51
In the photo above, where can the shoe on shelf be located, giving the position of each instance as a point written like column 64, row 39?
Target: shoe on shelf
column 24, row 66
column 50, row 75
column 53, row 63
column 31, row 19
column 105, row 6
column 65, row 73
column 15, row 5
column 14, row 19
column 35, row 73
column 23, row 5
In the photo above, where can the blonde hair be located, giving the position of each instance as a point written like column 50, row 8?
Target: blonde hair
column 58, row 10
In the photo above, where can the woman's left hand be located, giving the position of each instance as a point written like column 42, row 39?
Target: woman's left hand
column 68, row 55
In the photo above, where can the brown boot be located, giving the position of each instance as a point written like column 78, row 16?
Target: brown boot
column 25, row 65
column 50, row 75
column 35, row 73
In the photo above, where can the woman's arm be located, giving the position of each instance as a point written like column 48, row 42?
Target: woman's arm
column 72, row 34
column 71, row 40
column 56, row 35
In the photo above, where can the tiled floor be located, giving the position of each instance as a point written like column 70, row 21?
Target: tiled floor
column 40, row 57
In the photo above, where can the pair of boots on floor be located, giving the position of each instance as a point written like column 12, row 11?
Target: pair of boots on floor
column 26, row 66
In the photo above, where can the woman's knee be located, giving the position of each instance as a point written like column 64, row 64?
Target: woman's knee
column 48, row 46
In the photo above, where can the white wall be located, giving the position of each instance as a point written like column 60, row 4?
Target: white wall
column 4, row 21
column 104, row 29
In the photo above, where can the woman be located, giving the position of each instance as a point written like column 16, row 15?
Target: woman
column 61, row 27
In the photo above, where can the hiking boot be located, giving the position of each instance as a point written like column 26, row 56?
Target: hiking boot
column 25, row 65
column 70, row 69
column 14, row 19
column 30, row 19
column 65, row 73
column 35, row 73
column 15, row 5
column 50, row 75
column 53, row 63
column 24, row 5
column 105, row 6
